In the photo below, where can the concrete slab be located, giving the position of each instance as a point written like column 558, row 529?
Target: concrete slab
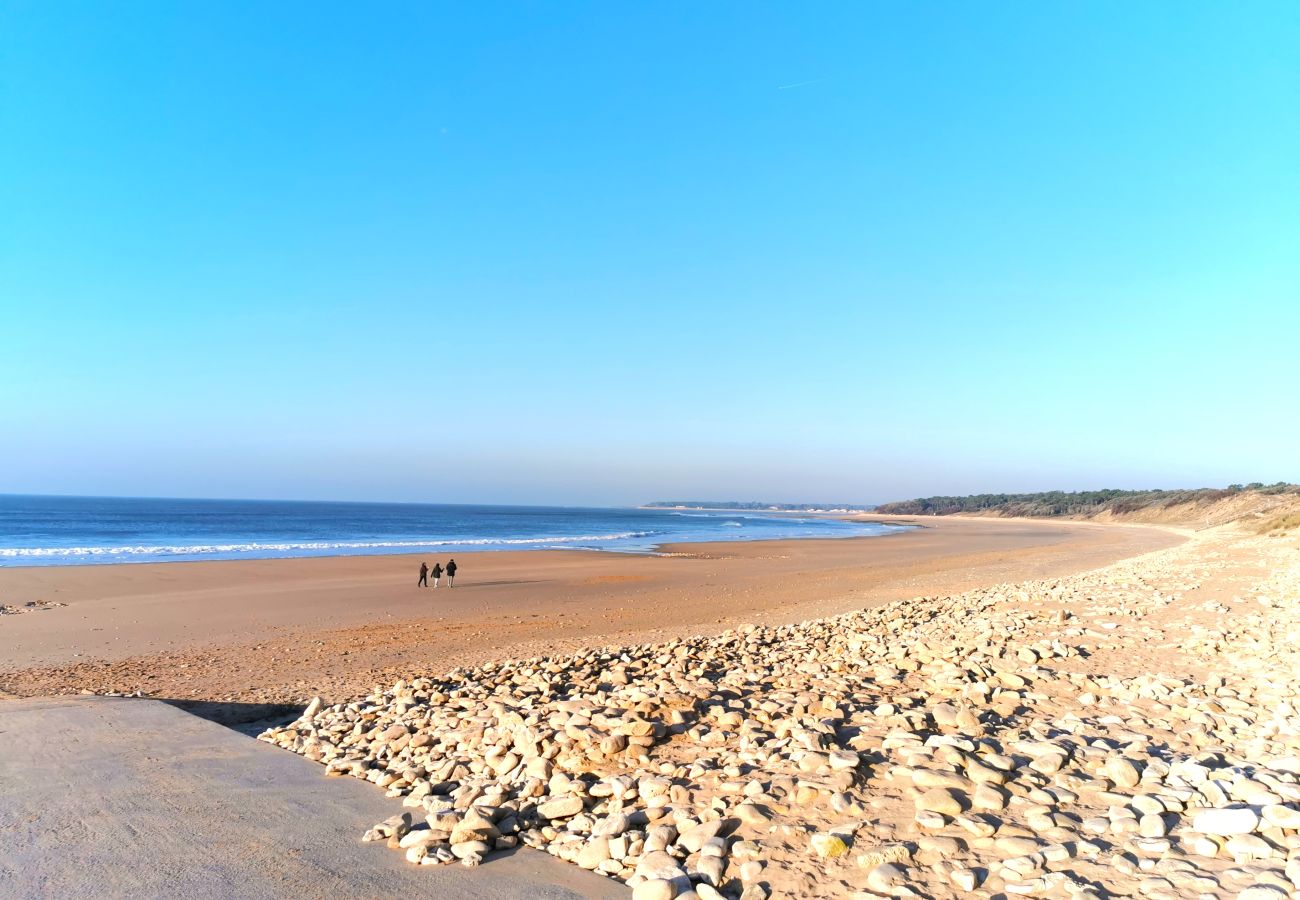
column 107, row 797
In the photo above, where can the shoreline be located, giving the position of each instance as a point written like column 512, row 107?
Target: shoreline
column 283, row 630
column 658, row 549
column 471, row 546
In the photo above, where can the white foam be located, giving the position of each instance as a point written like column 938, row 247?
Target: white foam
column 207, row 549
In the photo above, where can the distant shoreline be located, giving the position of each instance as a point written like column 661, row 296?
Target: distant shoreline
column 809, row 511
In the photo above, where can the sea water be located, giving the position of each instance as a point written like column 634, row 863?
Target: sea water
column 44, row 531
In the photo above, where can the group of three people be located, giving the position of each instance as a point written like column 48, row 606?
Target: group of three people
column 436, row 572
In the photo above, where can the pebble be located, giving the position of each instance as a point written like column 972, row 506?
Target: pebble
column 964, row 879
column 886, row 878
column 939, row 800
column 560, row 808
column 1011, row 715
column 753, row 814
column 828, row 846
column 694, row 838
column 1263, row 892
column 1123, row 772
column 655, row 889
column 1228, row 821
column 1152, row 825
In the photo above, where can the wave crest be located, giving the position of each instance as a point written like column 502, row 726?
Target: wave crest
column 205, row 549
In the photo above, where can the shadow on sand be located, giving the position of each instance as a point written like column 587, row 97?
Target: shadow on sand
column 247, row 718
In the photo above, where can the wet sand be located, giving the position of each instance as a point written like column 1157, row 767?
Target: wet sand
column 267, row 631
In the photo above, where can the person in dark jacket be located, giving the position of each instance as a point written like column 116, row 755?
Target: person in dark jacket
column 436, row 573
column 424, row 575
column 451, row 573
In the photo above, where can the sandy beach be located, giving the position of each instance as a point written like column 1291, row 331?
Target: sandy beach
column 281, row 631
column 1128, row 730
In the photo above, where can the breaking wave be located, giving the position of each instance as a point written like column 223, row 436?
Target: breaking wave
column 209, row 549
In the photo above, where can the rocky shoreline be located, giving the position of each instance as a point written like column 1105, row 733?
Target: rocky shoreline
column 1130, row 730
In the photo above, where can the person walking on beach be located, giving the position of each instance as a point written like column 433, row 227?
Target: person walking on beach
column 436, row 573
column 451, row 573
column 424, row 575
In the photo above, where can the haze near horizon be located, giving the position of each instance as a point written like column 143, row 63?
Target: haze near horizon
column 587, row 255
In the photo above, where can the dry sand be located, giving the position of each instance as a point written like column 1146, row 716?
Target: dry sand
column 282, row 631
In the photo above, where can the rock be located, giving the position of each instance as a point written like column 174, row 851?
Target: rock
column 711, row 869
column 886, row 878
column 560, row 807
column 594, row 853
column 393, row 827
column 1263, row 892
column 1226, row 822
column 979, row 773
column 828, row 846
column 932, row 778
column 420, row 836
column 1048, row 763
column 939, row 800
column 930, row 821
column 1292, row 870
column 1247, row 848
column 1145, row 803
column 1279, row 816
column 659, row 837
column 753, row 814
column 694, row 838
column 1012, row 845
column 988, row 797
column 540, row 768
column 658, row 864
column 1152, row 826
column 1123, row 772
column 1151, row 846
column 979, row 826
column 943, row 847
column 654, row 889
column 612, row 825
column 474, row 826
column 842, row 760
column 470, row 849
column 964, row 879
column 714, row 846
column 885, row 853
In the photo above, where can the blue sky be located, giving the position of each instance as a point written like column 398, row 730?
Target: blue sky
column 605, row 253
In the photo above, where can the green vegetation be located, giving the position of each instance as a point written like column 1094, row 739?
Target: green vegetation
column 1077, row 503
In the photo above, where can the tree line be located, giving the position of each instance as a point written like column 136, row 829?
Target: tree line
column 1074, row 503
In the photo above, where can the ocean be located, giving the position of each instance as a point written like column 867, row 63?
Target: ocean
column 52, row 531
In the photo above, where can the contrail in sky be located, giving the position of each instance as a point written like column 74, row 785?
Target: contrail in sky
column 786, row 87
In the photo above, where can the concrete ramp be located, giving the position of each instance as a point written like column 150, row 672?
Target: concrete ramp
column 107, row 797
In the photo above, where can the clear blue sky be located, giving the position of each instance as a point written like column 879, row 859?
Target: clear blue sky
column 606, row 253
